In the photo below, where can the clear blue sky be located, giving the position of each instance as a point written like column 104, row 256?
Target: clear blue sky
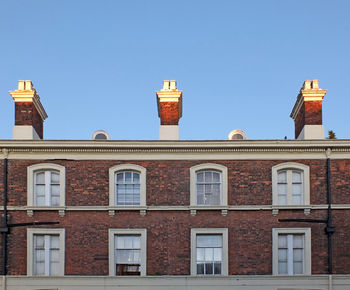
column 240, row 64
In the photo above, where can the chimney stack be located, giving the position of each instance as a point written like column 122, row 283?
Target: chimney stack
column 307, row 112
column 169, row 101
column 29, row 112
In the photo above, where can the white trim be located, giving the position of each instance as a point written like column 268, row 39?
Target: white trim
column 123, row 167
column 30, row 246
column 306, row 180
column 198, row 231
column 25, row 132
column 311, row 132
column 30, row 181
column 111, row 236
column 307, row 247
column 207, row 166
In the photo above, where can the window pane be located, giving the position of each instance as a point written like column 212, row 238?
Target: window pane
column 54, row 255
column 200, row 177
column 136, row 242
column 296, row 199
column 297, row 189
column 282, row 189
column 55, row 178
column 200, row 254
column 296, row 177
column 200, row 188
column 209, row 254
column 55, row 201
column 218, row 254
column 39, row 241
column 128, row 188
column 216, row 177
column 119, row 242
column 282, row 199
column 217, row 268
column 298, row 255
column 208, row 268
column 39, row 255
column 298, row 268
column 120, row 178
column 124, row 256
column 54, row 242
column 200, row 199
column 208, row 189
column 282, row 177
column 208, row 175
column 282, row 254
column 209, row 240
column 39, row 269
column 136, row 177
column 282, row 241
column 282, row 268
column 40, row 178
column 298, row 241
column 128, row 177
column 200, row 269
column 40, row 190
column 121, row 188
column 54, row 268
column 40, row 201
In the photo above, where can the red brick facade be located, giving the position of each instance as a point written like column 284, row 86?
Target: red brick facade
column 27, row 114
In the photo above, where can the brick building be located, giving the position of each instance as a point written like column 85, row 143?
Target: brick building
column 171, row 214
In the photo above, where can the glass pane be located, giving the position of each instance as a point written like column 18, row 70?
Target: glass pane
column 214, row 199
column 128, row 199
column 200, row 254
column 124, row 256
column 55, row 201
column 136, row 177
column 136, row 188
column 296, row 189
column 40, row 200
column 217, row 268
column 39, row 241
column 121, row 188
column 54, row 242
column 217, row 254
column 200, row 188
column 119, row 242
column 55, row 190
column 136, row 242
column 282, row 177
column 208, row 268
column 200, row 177
column 298, row 268
column 282, row 189
column 200, row 269
column 209, row 240
column 120, row 178
column 296, row 177
column 298, row 255
column 298, row 241
column 208, row 189
column 282, row 268
column 208, row 254
column 200, row 199
column 40, row 178
column 40, row 190
column 128, row 188
column 137, row 256
column 128, row 176
column 282, row 255
column 216, row 177
column 128, row 242
column 282, row 199
column 296, row 199
column 54, row 255
column 40, row 269
column 54, row 268
column 282, row 241
column 39, row 255
column 208, row 176
column 55, row 178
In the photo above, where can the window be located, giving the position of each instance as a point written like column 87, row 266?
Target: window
column 127, row 252
column 45, row 252
column 46, row 185
column 292, row 251
column 290, row 184
column 127, row 185
column 209, row 254
column 208, row 185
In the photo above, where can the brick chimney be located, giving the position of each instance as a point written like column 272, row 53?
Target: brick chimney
column 169, row 101
column 307, row 112
column 29, row 112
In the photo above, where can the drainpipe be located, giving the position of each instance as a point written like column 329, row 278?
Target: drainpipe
column 5, row 232
column 329, row 229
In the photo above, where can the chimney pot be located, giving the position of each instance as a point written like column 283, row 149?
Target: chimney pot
column 307, row 85
column 315, row 84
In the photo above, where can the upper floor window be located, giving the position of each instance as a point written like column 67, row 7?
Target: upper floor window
column 45, row 253
column 127, row 185
column 290, row 184
column 46, row 185
column 127, row 252
column 208, row 184
column 209, row 254
column 291, row 251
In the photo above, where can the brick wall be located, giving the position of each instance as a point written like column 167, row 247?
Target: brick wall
column 27, row 114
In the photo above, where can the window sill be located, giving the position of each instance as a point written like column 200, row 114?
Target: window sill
column 113, row 209
column 277, row 208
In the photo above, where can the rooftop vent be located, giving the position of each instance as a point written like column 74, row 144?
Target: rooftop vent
column 100, row 135
column 237, row 135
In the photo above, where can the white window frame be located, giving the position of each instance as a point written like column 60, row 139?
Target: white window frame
column 30, row 247
column 209, row 231
column 111, row 236
column 307, row 248
column 305, row 171
column 127, row 167
column 193, row 188
column 31, row 170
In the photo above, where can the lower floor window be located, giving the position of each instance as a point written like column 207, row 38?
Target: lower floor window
column 291, row 251
column 45, row 253
column 128, row 254
column 209, row 254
